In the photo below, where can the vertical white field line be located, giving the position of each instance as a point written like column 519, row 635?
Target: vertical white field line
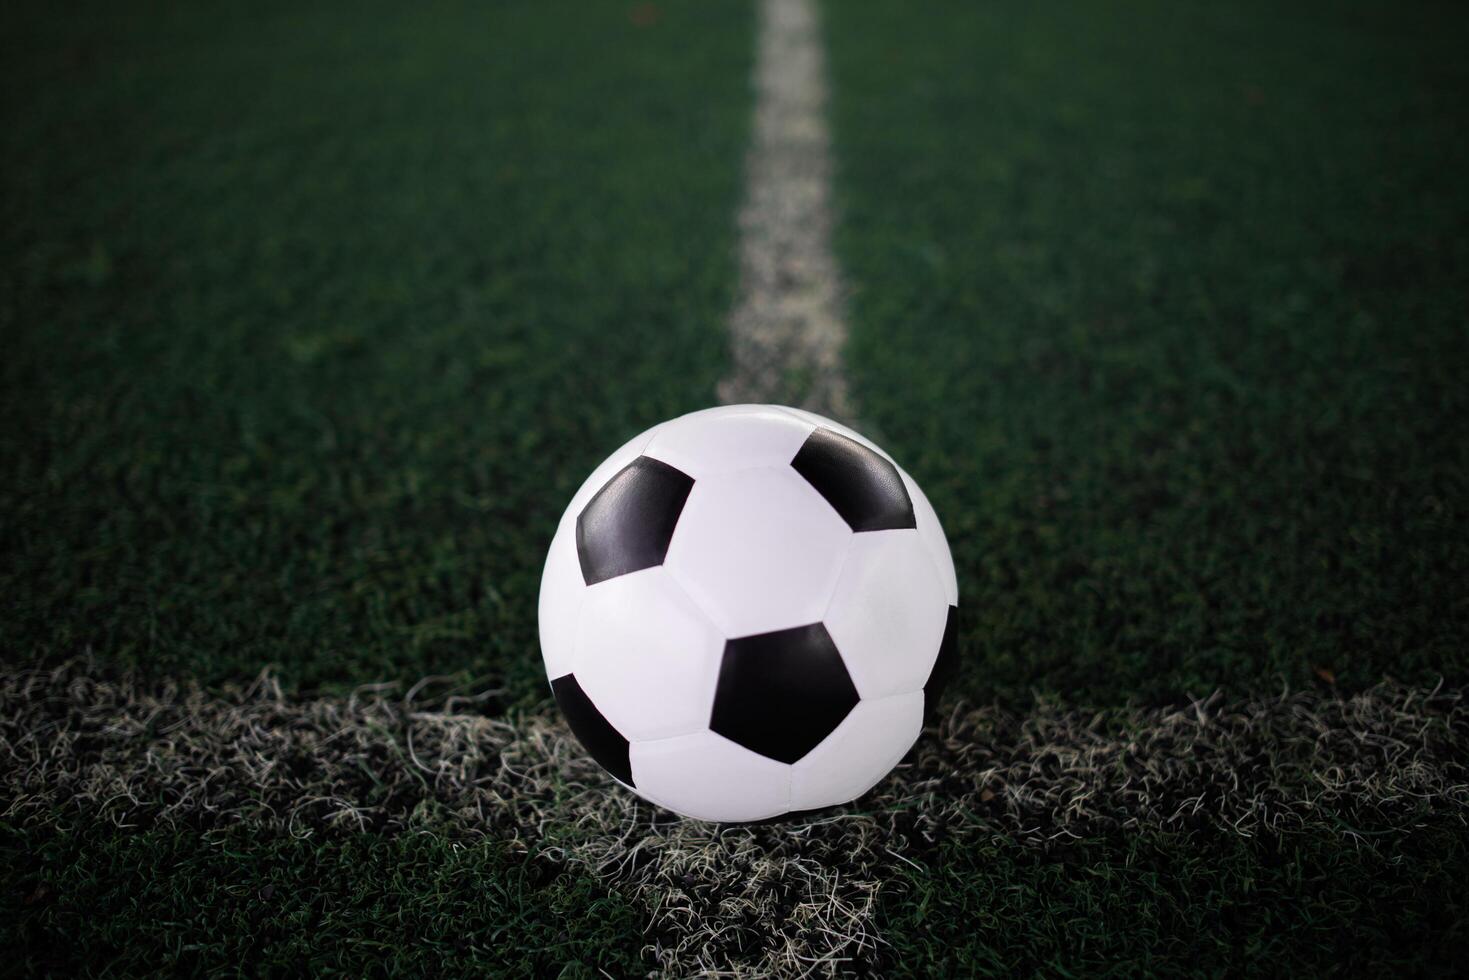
column 787, row 326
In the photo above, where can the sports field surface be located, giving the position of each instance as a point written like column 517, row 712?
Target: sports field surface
column 314, row 317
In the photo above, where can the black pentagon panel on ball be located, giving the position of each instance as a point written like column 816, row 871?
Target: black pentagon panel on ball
column 596, row 734
column 946, row 666
column 628, row 524
column 861, row 485
column 781, row 693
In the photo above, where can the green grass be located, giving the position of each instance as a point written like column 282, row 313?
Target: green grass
column 185, row 902
column 1207, row 903
column 315, row 316
column 1165, row 306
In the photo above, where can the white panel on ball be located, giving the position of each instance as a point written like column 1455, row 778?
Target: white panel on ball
column 888, row 613
column 708, row 777
column 647, row 657
column 760, row 550
column 723, row 440
column 559, row 609
column 934, row 539
column 863, row 749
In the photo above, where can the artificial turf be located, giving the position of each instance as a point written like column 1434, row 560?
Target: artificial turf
column 1204, row 903
column 177, row 901
column 1165, row 307
column 315, row 316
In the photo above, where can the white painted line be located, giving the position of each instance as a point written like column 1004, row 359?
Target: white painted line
column 787, row 327
column 78, row 740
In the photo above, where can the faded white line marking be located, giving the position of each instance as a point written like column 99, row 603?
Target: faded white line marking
column 787, row 327
column 81, row 745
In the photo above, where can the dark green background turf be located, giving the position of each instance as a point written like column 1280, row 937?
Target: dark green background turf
column 1167, row 306
column 314, row 318
column 1204, row 903
column 310, row 332
column 164, row 901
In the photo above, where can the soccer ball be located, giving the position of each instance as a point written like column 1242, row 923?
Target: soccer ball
column 742, row 612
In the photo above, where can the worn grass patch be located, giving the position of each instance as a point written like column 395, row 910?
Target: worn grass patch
column 1243, row 800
